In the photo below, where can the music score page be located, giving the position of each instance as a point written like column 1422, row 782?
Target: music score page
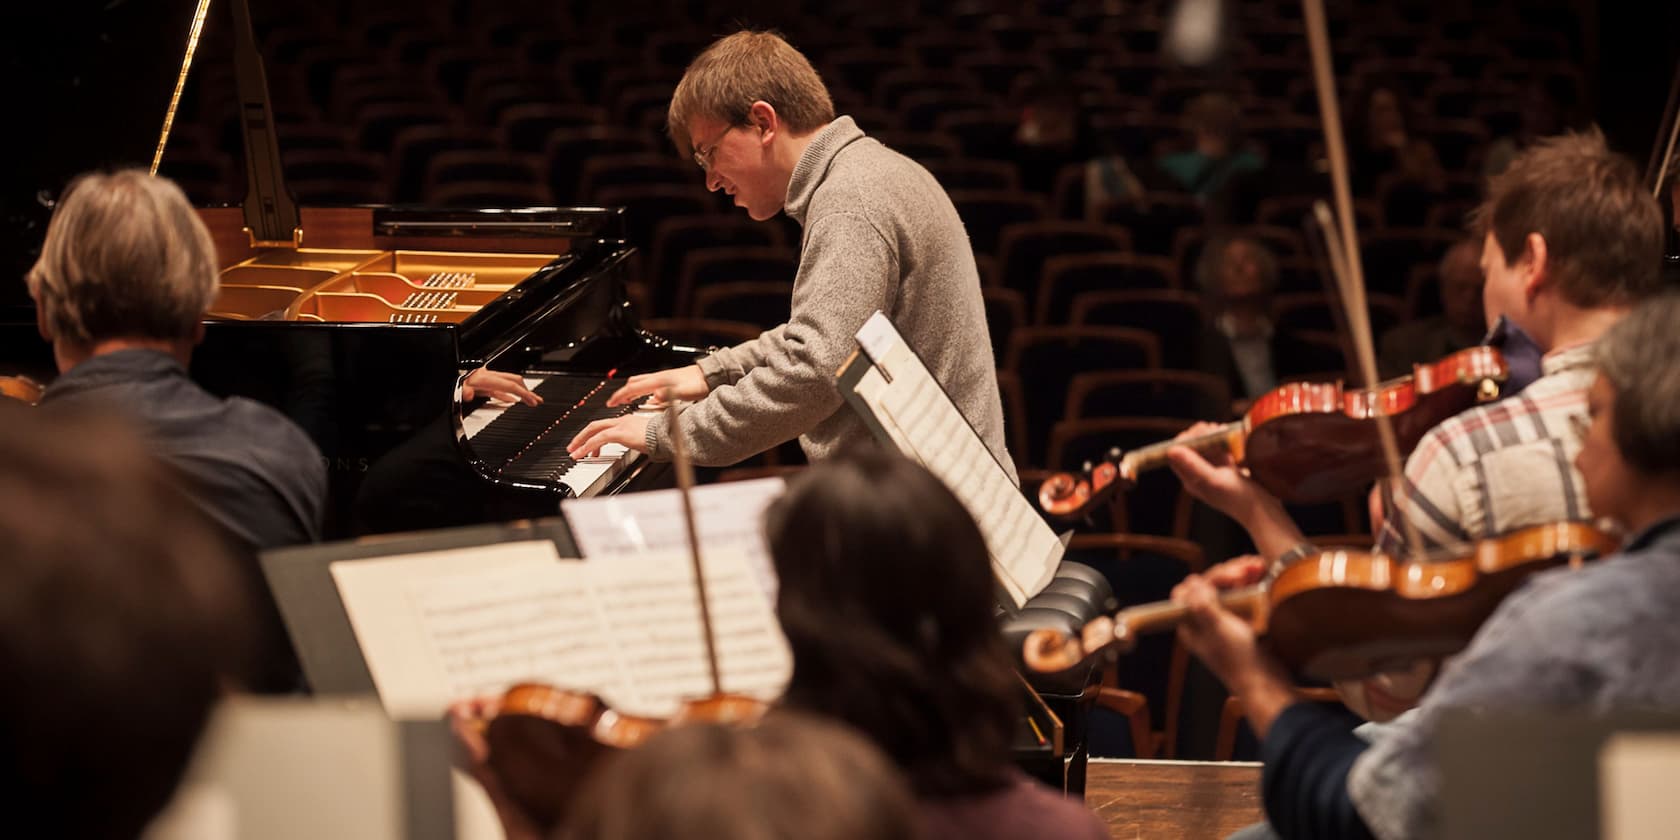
column 447, row 625
column 921, row 419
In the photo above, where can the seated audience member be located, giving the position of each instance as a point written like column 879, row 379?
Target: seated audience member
column 1238, row 277
column 1218, row 150
column 1050, row 133
column 126, row 274
column 121, row 623
column 786, row 777
column 1384, row 142
column 887, row 601
column 1462, row 322
column 1594, row 639
column 1545, row 106
column 1217, row 155
column 885, row 596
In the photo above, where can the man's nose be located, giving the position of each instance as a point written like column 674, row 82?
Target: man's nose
column 713, row 182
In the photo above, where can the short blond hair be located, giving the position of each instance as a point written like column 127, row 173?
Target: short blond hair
column 126, row 256
column 726, row 78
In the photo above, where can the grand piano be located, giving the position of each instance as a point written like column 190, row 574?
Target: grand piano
column 360, row 322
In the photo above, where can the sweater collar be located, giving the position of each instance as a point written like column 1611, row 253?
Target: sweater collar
column 814, row 162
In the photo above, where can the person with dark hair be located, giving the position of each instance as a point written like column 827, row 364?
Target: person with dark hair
column 1051, row 132
column 886, row 597
column 1238, row 277
column 1383, row 141
column 1216, row 164
column 786, row 777
column 1218, row 148
column 1461, row 323
column 1594, row 640
column 122, row 622
column 880, row 234
column 1546, row 105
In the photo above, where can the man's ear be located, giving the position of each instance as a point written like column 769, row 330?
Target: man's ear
column 1537, row 265
column 763, row 117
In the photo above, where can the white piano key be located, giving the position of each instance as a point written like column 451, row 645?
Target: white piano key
column 476, row 421
column 590, row 476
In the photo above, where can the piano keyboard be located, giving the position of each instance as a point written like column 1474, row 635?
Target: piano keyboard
column 525, row 442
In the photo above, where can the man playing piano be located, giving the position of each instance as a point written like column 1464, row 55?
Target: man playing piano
column 879, row 234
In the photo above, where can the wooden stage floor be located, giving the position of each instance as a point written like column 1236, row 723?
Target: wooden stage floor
column 1182, row 800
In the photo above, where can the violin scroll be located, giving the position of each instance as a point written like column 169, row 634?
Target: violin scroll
column 1066, row 495
column 1050, row 651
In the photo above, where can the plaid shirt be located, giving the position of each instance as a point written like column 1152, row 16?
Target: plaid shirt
column 1501, row 466
column 1477, row 475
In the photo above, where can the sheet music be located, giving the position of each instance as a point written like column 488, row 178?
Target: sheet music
column 439, row 626
column 727, row 516
column 1635, row 771
column 926, row 425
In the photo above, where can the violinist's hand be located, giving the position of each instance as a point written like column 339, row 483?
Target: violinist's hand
column 1374, row 508
column 467, row 719
column 1226, row 644
column 684, row 383
column 1215, row 479
column 498, row 385
column 1219, row 482
column 1237, row 572
column 630, row 431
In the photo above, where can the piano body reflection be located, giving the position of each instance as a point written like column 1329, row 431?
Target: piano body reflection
column 360, row 322
column 364, row 342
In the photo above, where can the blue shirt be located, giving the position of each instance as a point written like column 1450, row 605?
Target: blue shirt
column 1594, row 639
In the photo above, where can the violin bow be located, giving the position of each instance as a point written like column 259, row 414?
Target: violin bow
column 685, row 483
column 1663, row 153
column 1343, row 245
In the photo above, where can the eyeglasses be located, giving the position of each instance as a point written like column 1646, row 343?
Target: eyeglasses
column 703, row 156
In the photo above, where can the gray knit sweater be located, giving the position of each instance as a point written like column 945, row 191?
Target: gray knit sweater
column 879, row 233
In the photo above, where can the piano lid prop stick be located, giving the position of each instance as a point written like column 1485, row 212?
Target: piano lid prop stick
column 685, row 483
column 199, row 15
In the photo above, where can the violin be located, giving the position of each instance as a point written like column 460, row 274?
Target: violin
column 1305, row 441
column 544, row 741
column 1342, row 615
column 21, row 388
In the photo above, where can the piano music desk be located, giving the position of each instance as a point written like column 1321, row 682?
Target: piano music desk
column 1187, row 800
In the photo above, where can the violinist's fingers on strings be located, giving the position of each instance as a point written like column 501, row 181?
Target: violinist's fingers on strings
column 1237, row 571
